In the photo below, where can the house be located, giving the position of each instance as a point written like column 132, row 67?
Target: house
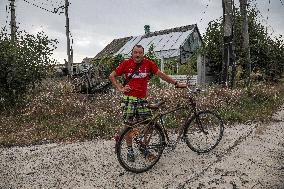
column 170, row 44
column 178, row 42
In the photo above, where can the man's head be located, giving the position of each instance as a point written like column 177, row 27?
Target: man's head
column 137, row 53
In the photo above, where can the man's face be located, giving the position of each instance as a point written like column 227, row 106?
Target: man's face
column 137, row 54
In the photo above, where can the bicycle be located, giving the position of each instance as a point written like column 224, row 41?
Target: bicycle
column 150, row 134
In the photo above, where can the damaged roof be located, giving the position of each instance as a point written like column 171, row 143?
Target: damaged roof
column 166, row 43
column 113, row 47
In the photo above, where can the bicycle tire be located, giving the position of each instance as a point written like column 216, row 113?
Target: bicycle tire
column 212, row 125
column 141, row 164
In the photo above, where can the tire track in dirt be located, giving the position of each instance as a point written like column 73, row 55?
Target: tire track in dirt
column 220, row 157
column 256, row 162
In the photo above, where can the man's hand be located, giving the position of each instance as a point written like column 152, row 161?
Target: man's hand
column 181, row 85
column 125, row 89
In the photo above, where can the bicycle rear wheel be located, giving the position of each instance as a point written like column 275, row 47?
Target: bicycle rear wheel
column 204, row 131
column 154, row 147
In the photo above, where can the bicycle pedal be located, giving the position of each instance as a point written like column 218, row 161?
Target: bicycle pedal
column 134, row 133
column 151, row 157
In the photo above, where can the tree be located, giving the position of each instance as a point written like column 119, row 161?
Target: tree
column 213, row 48
column 107, row 64
column 245, row 41
column 267, row 53
column 24, row 62
column 152, row 56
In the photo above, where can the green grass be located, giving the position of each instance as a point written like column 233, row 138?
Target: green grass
column 251, row 109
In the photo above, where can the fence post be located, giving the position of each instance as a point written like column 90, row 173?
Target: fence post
column 162, row 64
column 200, row 69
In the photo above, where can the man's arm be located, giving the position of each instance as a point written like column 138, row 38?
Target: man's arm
column 170, row 80
column 122, row 89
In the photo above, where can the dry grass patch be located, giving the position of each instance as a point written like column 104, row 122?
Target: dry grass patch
column 53, row 113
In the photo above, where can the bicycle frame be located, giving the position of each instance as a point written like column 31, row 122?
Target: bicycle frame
column 158, row 118
column 192, row 112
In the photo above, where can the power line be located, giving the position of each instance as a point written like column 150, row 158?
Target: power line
column 265, row 19
column 282, row 3
column 55, row 10
column 7, row 12
column 52, row 3
column 203, row 13
column 57, row 3
column 268, row 10
column 46, row 3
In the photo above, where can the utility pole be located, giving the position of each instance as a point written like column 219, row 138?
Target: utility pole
column 245, row 41
column 69, row 63
column 228, row 39
column 13, row 20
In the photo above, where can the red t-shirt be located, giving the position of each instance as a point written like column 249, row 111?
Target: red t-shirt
column 138, row 82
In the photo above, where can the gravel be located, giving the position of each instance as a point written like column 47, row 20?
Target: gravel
column 249, row 156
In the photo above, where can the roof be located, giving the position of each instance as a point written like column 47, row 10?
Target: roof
column 87, row 60
column 166, row 43
column 113, row 47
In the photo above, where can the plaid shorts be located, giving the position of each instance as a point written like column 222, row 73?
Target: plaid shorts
column 134, row 109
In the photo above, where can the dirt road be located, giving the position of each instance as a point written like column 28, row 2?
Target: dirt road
column 249, row 156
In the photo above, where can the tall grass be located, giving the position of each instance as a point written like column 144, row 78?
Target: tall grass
column 241, row 105
column 53, row 113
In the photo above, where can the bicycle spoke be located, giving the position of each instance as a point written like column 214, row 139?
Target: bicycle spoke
column 204, row 132
column 145, row 156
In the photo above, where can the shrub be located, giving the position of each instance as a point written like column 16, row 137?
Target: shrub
column 24, row 62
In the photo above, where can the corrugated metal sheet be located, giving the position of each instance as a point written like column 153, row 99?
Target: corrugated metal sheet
column 167, row 53
column 165, row 46
column 126, row 49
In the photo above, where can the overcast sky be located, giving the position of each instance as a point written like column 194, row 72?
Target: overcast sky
column 95, row 23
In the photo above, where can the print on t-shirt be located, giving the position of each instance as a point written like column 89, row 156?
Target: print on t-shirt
column 139, row 74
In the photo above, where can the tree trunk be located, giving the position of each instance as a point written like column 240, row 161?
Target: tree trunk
column 245, row 42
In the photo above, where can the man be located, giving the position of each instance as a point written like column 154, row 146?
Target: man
column 135, row 90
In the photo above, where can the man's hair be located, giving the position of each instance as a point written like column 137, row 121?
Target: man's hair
column 138, row 46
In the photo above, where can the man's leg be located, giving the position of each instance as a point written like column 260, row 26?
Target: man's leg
column 128, row 117
column 129, row 136
column 145, row 113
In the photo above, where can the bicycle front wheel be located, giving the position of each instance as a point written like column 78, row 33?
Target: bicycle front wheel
column 204, row 131
column 147, row 147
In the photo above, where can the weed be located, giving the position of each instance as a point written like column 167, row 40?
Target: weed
column 53, row 113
